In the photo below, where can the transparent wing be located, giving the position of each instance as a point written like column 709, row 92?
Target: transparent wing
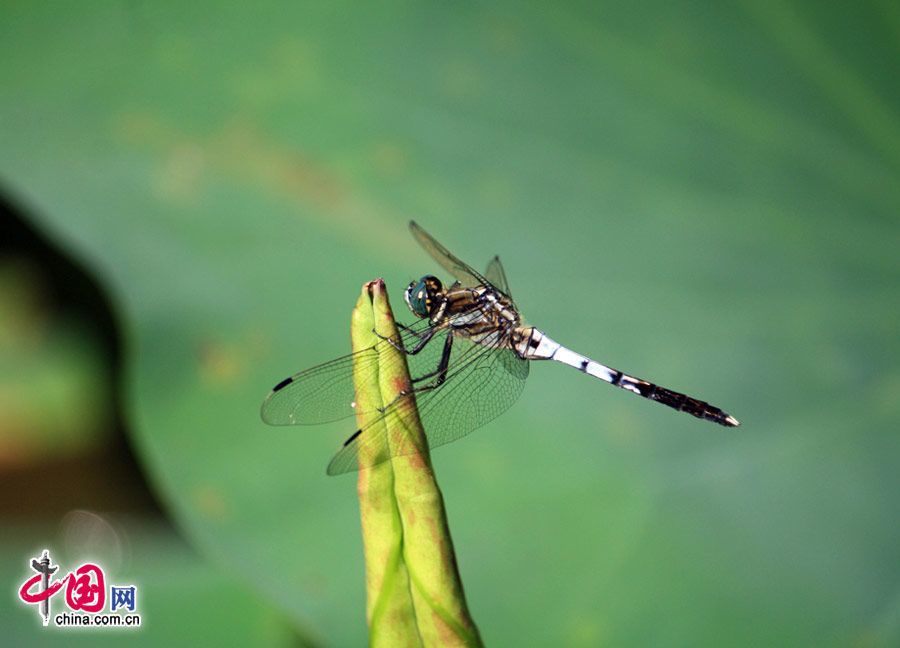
column 497, row 276
column 483, row 381
column 446, row 259
column 325, row 393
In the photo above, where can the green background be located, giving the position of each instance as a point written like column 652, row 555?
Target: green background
column 704, row 195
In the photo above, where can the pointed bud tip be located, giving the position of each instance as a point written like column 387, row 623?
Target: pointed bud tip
column 730, row 421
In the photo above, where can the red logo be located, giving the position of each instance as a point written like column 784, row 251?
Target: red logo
column 85, row 590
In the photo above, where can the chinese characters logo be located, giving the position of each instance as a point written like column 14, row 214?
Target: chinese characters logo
column 85, row 592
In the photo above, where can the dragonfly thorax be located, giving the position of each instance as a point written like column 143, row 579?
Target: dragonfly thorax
column 425, row 296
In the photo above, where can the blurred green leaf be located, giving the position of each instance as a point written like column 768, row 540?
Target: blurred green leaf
column 703, row 195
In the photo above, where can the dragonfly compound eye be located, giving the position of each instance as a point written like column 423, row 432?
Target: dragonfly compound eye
column 422, row 296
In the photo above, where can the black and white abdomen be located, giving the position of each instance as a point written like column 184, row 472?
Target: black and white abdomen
column 531, row 344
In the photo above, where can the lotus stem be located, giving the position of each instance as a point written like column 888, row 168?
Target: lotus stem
column 414, row 592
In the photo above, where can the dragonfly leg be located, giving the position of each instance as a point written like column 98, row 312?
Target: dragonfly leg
column 424, row 338
column 384, row 337
column 440, row 372
column 404, row 327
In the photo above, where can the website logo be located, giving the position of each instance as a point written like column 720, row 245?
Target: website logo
column 85, row 596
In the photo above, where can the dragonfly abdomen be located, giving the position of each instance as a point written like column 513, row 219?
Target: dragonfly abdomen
column 532, row 344
column 684, row 403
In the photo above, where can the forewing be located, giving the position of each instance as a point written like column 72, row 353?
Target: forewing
column 325, row 393
column 447, row 260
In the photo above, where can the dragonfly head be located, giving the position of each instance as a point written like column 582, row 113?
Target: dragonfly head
column 424, row 296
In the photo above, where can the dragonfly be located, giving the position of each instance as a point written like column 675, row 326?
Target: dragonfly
column 469, row 353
